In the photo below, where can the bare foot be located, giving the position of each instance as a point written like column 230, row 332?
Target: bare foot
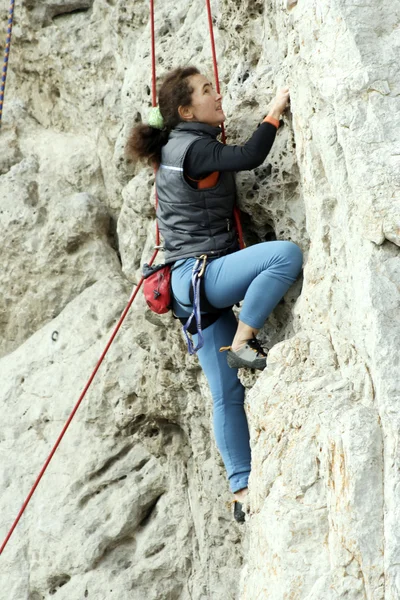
column 240, row 495
column 243, row 334
column 236, row 346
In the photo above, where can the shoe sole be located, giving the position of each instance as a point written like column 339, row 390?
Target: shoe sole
column 235, row 362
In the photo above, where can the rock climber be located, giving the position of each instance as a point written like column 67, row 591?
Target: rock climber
column 195, row 183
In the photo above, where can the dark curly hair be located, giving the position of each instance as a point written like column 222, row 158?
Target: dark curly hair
column 145, row 142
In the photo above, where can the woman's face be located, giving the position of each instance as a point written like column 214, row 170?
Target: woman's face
column 206, row 106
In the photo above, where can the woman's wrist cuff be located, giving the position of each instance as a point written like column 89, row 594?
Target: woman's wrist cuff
column 272, row 121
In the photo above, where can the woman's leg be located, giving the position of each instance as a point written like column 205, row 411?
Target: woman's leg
column 259, row 275
column 230, row 423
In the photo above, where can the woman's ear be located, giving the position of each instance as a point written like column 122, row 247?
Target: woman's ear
column 185, row 113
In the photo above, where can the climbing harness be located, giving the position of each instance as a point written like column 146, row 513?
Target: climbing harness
column 197, row 273
column 6, row 55
column 203, row 313
column 198, row 278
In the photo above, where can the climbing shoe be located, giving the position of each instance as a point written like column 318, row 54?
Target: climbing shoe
column 238, row 513
column 251, row 355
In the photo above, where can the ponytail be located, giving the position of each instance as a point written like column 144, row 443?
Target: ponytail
column 145, row 142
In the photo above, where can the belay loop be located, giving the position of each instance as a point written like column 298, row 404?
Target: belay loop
column 197, row 273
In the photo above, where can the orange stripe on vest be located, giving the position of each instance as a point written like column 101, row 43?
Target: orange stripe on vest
column 208, row 182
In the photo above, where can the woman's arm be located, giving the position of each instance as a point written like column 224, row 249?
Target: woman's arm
column 206, row 156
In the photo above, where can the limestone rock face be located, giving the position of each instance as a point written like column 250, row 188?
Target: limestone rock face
column 135, row 502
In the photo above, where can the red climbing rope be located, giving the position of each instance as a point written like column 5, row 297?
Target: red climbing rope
column 6, row 56
column 236, row 211
column 214, row 57
column 153, row 56
column 133, row 296
column 110, row 341
column 60, row 437
column 154, row 95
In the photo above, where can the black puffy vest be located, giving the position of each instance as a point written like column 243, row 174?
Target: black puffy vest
column 191, row 221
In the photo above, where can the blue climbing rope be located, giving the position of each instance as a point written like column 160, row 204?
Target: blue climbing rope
column 6, row 55
column 197, row 274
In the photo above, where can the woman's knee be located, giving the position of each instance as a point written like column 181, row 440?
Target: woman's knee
column 293, row 255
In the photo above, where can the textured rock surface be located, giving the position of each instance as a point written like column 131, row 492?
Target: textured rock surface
column 135, row 502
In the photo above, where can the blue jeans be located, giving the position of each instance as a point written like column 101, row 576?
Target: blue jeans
column 260, row 276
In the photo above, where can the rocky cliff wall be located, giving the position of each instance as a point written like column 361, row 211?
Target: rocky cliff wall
column 135, row 502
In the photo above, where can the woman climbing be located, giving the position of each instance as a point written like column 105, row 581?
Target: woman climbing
column 196, row 197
